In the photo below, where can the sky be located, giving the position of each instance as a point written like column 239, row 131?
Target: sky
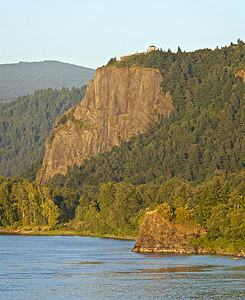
column 89, row 32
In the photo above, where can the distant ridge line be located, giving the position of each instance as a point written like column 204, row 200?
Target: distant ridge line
column 23, row 78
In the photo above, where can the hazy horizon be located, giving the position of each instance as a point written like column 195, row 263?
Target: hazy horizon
column 90, row 33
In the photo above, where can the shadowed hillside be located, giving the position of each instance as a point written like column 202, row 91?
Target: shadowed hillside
column 26, row 77
column 26, row 123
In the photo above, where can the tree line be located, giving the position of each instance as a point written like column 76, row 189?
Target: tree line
column 204, row 136
column 218, row 205
column 26, row 123
column 23, row 203
column 189, row 167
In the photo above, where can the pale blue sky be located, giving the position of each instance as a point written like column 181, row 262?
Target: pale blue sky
column 89, row 33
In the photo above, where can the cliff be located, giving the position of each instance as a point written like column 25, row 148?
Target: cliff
column 242, row 75
column 119, row 103
column 159, row 235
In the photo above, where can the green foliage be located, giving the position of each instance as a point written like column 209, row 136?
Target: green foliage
column 221, row 208
column 184, row 216
column 111, row 61
column 23, row 203
column 203, row 137
column 190, row 167
column 220, row 245
column 116, row 210
column 26, row 123
column 165, row 211
column 31, row 172
column 50, row 212
column 120, row 207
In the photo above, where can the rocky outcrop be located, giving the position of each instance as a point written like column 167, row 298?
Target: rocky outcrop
column 159, row 235
column 242, row 75
column 119, row 103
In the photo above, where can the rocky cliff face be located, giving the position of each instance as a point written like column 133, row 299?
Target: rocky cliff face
column 158, row 235
column 242, row 75
column 119, row 103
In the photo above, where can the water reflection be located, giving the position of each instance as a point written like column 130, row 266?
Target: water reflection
column 177, row 269
column 94, row 268
column 89, row 263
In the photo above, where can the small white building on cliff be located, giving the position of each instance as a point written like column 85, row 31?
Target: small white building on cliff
column 151, row 48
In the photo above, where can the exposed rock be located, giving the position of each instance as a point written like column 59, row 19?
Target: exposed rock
column 119, row 103
column 158, row 234
column 242, row 75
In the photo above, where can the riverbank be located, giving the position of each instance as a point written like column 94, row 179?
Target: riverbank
column 64, row 231
column 67, row 231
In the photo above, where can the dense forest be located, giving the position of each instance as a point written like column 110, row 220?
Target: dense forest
column 118, row 208
column 203, row 137
column 191, row 164
column 26, row 123
column 24, row 78
column 25, row 203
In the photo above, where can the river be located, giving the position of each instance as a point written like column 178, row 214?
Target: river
column 40, row 267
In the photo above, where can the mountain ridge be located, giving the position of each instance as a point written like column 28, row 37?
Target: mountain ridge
column 23, row 78
column 202, row 137
column 189, row 166
column 26, row 123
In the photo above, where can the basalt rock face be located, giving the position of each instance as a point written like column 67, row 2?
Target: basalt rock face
column 242, row 75
column 119, row 103
column 158, row 235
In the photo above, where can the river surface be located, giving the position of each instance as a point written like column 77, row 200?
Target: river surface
column 39, row 267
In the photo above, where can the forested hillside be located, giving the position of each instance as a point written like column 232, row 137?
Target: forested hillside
column 26, row 123
column 26, row 77
column 203, row 137
column 194, row 161
column 190, row 166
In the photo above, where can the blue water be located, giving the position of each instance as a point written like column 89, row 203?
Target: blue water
column 34, row 267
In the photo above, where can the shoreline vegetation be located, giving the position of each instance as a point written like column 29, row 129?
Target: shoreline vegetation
column 64, row 231
column 45, row 231
column 119, row 209
column 189, row 166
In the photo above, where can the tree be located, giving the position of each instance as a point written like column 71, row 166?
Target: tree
column 165, row 211
column 50, row 212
